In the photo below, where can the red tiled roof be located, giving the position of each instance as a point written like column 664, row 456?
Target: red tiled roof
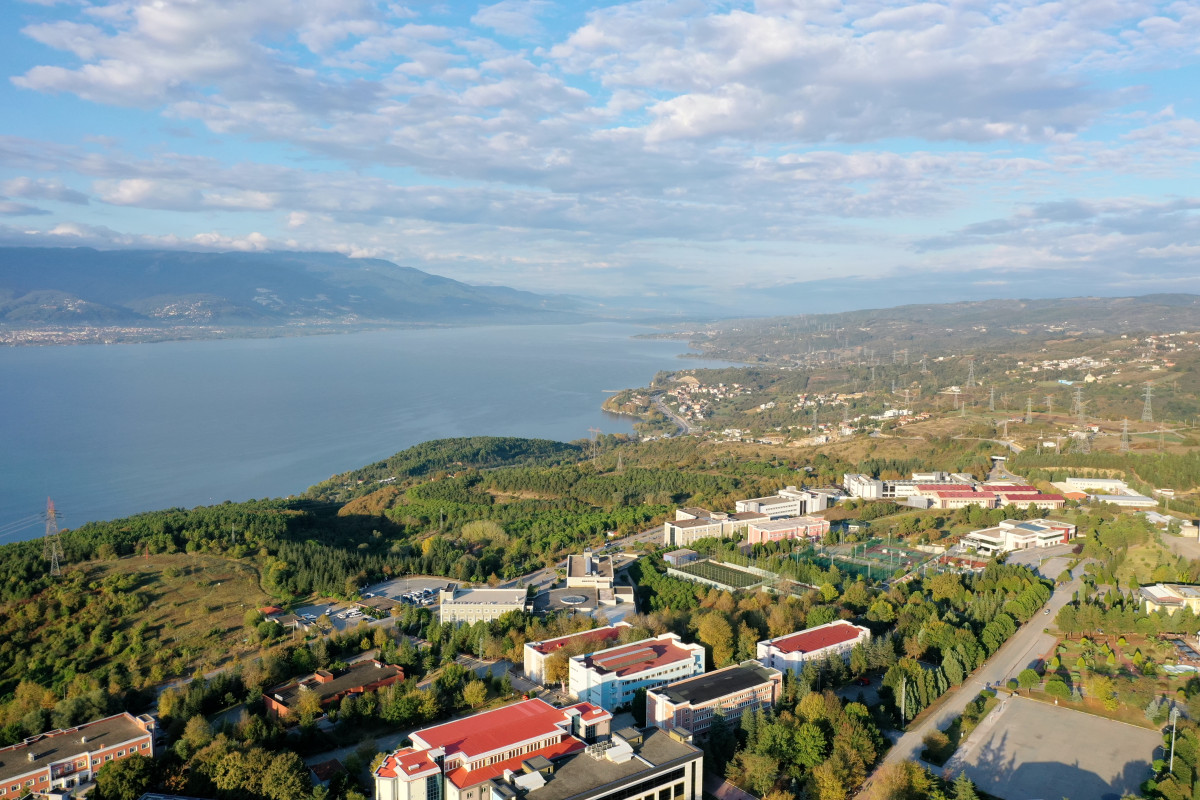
column 637, row 657
column 464, row 778
column 936, row 487
column 405, row 763
column 966, row 493
column 604, row 634
column 326, row 770
column 589, row 712
column 815, row 639
column 493, row 730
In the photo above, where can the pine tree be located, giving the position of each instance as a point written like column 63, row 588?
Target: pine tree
column 964, row 789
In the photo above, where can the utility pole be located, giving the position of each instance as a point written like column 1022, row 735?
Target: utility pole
column 992, row 399
column 1028, row 410
column 1125, row 436
column 1078, row 409
column 1050, row 404
column 1148, row 407
column 52, row 547
column 971, row 373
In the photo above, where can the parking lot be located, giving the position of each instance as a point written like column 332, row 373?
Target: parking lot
column 398, row 587
column 1026, row 748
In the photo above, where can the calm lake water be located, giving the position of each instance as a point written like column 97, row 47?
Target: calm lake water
column 111, row 431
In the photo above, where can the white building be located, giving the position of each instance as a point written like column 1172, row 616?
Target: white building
column 480, row 605
column 789, row 502
column 536, row 653
column 692, row 524
column 1013, row 534
column 610, row 678
column 589, row 571
column 791, row 652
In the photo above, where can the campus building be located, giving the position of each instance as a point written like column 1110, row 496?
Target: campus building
column 536, row 653
column 789, row 502
column 691, row 703
column 330, row 688
column 1170, row 597
column 68, row 758
column 777, row 530
column 589, row 571
column 610, row 678
column 1015, row 534
column 692, row 524
column 481, row 605
column 791, row 652
column 459, row 760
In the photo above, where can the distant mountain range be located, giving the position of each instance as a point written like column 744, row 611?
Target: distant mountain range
column 82, row 286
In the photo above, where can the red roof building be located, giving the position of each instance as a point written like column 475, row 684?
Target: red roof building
column 790, row 652
column 611, row 678
column 537, row 652
column 476, row 749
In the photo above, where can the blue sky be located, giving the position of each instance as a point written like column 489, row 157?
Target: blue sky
column 620, row 149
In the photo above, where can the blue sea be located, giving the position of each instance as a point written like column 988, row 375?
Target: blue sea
column 108, row 431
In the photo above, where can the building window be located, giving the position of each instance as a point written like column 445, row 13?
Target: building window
column 120, row 753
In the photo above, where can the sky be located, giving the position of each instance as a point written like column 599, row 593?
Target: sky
column 637, row 149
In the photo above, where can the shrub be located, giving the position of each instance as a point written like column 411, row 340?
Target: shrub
column 1058, row 689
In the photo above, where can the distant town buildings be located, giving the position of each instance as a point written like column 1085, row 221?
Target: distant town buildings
column 610, row 678
column 64, row 759
column 730, row 692
column 791, row 652
column 480, row 605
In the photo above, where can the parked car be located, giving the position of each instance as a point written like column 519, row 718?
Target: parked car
column 863, row 681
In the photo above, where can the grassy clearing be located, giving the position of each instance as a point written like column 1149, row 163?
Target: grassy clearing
column 197, row 602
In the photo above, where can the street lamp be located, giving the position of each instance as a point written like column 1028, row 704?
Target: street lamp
column 1174, row 717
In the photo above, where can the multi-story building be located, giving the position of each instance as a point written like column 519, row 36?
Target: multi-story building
column 502, row 755
column 589, row 571
column 1015, row 534
column 691, row 524
column 791, row 652
column 777, row 530
column 480, row 605
column 789, row 502
column 1170, row 597
column 458, row 760
column 677, row 558
column 730, row 692
column 536, row 653
column 330, row 688
column 610, row 678
column 67, row 758
column 1025, row 496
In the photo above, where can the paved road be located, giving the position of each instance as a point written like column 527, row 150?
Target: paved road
column 684, row 426
column 1027, row 644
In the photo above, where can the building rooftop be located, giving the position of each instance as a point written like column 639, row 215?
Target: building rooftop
column 812, row 639
column 584, row 773
column 693, row 523
column 787, row 523
column 710, row 686
column 589, row 564
column 354, row 677
column 505, row 596
column 67, row 744
column 492, row 730
column 637, row 657
column 608, row 633
column 681, row 552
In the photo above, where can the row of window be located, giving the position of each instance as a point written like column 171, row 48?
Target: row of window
column 80, row 764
